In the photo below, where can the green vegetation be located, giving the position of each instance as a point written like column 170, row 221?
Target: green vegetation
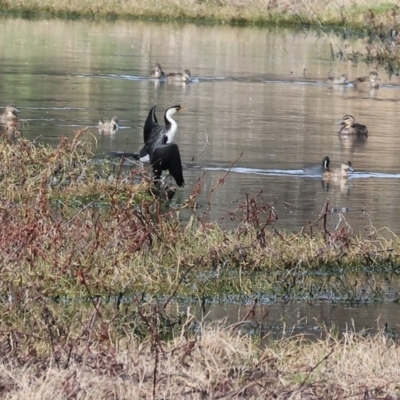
column 357, row 14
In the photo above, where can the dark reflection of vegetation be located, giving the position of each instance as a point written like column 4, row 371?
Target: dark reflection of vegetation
column 383, row 46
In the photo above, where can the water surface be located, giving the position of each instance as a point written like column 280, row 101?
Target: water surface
column 256, row 91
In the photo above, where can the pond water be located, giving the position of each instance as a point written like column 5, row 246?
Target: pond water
column 259, row 92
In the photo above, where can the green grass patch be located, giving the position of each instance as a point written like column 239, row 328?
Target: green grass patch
column 314, row 13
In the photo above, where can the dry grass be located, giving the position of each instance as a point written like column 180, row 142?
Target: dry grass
column 353, row 13
column 67, row 174
column 218, row 363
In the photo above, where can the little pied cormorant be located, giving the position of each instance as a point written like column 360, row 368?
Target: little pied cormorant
column 159, row 147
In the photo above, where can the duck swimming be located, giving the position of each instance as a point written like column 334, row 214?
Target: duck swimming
column 342, row 80
column 157, row 72
column 317, row 169
column 184, row 76
column 368, row 82
column 350, row 127
column 337, row 173
column 108, row 126
column 9, row 114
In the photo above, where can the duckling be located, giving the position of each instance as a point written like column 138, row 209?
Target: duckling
column 180, row 76
column 9, row 114
column 342, row 80
column 316, row 169
column 107, row 126
column 337, row 173
column 158, row 72
column 369, row 82
column 350, row 127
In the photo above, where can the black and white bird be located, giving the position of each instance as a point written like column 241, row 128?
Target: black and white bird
column 159, row 147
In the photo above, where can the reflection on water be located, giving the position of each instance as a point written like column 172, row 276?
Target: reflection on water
column 306, row 317
column 361, row 311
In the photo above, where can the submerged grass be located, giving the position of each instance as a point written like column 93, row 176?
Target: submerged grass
column 349, row 13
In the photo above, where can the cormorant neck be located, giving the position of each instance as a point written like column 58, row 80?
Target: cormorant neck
column 168, row 116
column 170, row 124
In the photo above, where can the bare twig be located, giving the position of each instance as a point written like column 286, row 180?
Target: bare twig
column 202, row 150
column 315, row 367
column 221, row 181
column 251, row 311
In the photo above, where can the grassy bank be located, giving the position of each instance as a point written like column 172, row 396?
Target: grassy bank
column 92, row 262
column 358, row 14
column 67, row 220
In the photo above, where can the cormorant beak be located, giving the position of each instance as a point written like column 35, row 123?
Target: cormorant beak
column 181, row 109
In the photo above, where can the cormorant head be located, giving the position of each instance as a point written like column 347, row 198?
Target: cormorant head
column 178, row 108
column 174, row 109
